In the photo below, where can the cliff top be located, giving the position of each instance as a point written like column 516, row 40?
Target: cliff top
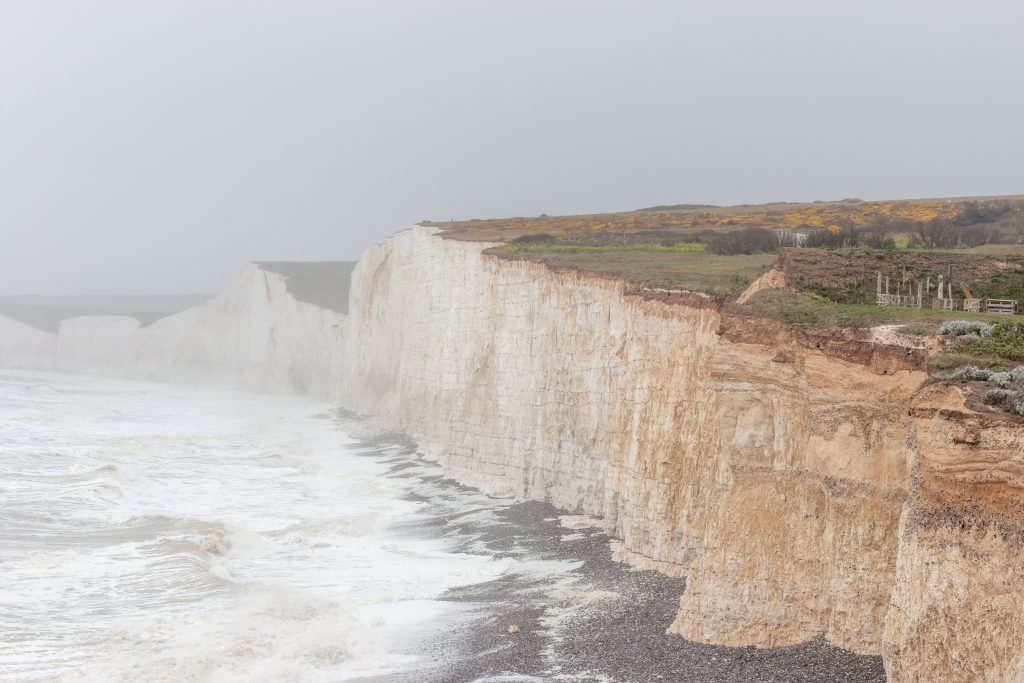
column 830, row 249
column 673, row 223
column 828, row 256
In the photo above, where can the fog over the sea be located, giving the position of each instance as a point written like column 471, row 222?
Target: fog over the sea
column 152, row 147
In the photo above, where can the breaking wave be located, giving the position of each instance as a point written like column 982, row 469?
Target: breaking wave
column 159, row 533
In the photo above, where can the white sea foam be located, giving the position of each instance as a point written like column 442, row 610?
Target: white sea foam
column 162, row 533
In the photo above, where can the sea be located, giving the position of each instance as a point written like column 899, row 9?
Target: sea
column 155, row 532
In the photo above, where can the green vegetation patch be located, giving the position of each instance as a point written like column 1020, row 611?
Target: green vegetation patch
column 559, row 248
column 812, row 313
column 1004, row 340
column 850, row 275
column 683, row 266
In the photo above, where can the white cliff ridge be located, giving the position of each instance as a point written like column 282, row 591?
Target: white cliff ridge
column 771, row 471
column 23, row 346
column 254, row 335
column 566, row 388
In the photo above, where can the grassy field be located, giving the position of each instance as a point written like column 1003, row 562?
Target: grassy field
column 845, row 276
column 849, row 275
column 543, row 248
column 689, row 267
column 684, row 266
column 1001, row 350
column 827, row 289
column 997, row 250
column 813, row 313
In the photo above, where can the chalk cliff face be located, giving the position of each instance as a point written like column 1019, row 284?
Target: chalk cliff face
column 23, row 346
column 773, row 476
column 771, row 468
column 254, row 335
column 805, row 485
column 541, row 386
column 802, row 539
column 956, row 605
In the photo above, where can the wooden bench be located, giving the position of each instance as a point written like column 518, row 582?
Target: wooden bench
column 1005, row 306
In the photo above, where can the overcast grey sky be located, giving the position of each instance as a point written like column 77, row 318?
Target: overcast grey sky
column 151, row 146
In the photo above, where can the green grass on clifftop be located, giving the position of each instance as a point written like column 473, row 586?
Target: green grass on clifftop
column 677, row 267
column 812, row 313
column 559, row 248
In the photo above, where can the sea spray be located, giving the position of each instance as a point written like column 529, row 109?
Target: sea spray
column 156, row 532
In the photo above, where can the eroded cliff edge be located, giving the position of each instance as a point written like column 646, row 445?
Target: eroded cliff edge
column 955, row 607
column 784, row 474
column 805, row 486
column 770, row 473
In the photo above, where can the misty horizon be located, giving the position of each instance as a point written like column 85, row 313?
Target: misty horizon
column 156, row 148
column 170, row 302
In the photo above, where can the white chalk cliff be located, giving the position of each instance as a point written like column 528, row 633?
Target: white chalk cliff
column 804, row 486
column 254, row 335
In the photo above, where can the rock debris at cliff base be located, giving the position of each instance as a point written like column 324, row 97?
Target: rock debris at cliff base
column 569, row 612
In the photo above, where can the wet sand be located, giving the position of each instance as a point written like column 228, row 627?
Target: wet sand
column 591, row 619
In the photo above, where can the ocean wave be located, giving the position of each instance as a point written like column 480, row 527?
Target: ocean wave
column 111, row 472
column 323, row 532
column 169, row 535
column 268, row 633
column 285, row 460
column 209, row 536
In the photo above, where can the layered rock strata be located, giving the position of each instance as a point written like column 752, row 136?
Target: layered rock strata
column 955, row 613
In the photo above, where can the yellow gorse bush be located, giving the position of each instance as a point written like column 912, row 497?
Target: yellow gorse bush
column 832, row 216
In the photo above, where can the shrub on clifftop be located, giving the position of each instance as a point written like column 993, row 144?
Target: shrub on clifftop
column 1008, row 390
column 959, row 328
column 1005, row 340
